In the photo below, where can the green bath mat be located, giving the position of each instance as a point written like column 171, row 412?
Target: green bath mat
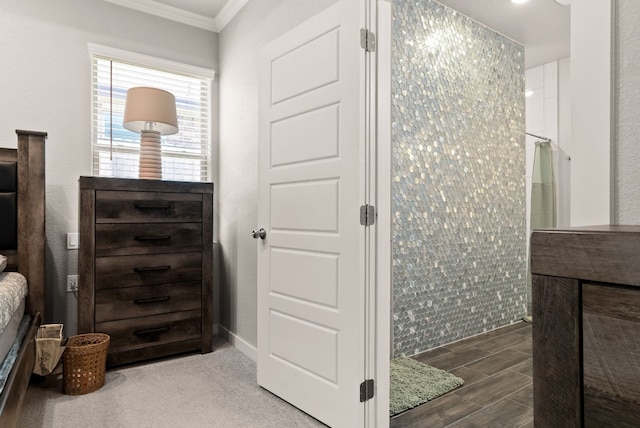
column 414, row 383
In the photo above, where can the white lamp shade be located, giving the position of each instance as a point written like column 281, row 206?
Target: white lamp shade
column 150, row 106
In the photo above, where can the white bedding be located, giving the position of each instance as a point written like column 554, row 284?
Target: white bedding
column 13, row 290
column 11, row 329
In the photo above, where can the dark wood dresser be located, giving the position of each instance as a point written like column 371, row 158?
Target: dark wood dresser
column 145, row 266
column 586, row 327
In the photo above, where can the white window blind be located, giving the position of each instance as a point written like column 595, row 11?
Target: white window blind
column 185, row 155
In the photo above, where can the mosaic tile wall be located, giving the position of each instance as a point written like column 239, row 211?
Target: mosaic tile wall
column 459, row 259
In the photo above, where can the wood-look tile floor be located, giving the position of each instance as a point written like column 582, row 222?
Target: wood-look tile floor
column 498, row 390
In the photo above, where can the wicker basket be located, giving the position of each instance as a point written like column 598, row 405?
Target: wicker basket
column 84, row 363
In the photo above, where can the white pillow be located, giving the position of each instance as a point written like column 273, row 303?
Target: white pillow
column 3, row 263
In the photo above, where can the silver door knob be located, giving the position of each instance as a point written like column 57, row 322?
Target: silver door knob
column 259, row 233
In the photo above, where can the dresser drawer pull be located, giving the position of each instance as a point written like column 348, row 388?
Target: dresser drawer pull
column 152, row 205
column 151, row 269
column 151, row 300
column 152, row 237
column 151, row 330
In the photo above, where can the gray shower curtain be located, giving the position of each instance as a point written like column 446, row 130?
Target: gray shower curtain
column 543, row 188
column 543, row 198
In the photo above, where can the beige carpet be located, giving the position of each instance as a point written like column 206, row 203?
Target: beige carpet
column 212, row 390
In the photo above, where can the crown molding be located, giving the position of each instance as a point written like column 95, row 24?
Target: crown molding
column 153, row 7
column 230, row 9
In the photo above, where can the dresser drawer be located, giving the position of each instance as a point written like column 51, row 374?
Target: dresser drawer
column 142, row 207
column 154, row 330
column 131, row 302
column 147, row 238
column 130, row 271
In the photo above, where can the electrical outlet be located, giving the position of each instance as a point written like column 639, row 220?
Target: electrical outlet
column 72, row 283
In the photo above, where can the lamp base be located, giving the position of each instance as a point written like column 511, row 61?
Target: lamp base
column 150, row 155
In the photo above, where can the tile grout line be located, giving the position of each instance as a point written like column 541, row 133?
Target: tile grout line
column 482, row 358
column 484, row 408
column 525, row 326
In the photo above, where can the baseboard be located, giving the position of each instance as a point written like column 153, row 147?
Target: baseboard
column 240, row 344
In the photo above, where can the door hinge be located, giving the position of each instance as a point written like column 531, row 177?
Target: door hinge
column 367, row 40
column 367, row 215
column 366, row 390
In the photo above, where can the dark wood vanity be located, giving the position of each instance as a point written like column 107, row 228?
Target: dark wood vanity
column 586, row 326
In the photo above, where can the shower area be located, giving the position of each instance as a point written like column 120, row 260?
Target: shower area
column 458, row 178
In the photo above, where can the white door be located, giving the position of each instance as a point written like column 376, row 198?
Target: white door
column 311, row 263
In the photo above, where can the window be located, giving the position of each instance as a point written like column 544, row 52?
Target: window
column 185, row 155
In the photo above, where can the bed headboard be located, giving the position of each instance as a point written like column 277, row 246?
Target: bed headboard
column 8, row 204
column 23, row 184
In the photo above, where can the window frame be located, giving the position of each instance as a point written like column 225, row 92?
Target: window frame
column 164, row 65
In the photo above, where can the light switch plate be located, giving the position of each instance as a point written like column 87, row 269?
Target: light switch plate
column 72, row 241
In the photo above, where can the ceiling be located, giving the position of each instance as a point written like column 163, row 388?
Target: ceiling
column 210, row 15
column 542, row 26
column 208, row 8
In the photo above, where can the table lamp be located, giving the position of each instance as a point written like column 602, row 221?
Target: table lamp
column 152, row 113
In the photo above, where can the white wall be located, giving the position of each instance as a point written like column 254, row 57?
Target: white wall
column 627, row 147
column 605, row 178
column 548, row 115
column 240, row 41
column 45, row 86
column 564, row 138
column 591, row 108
